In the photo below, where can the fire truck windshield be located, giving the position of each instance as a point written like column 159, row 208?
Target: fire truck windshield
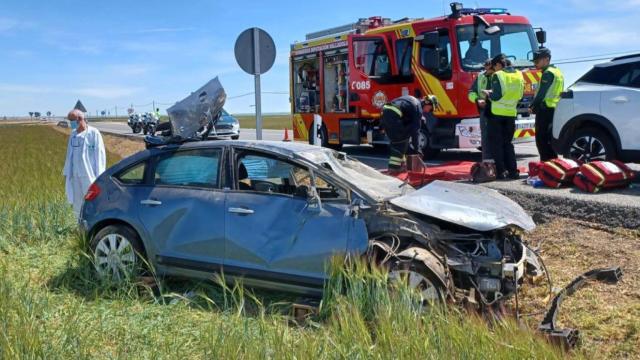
column 516, row 41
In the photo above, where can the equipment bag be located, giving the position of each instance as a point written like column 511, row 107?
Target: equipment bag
column 483, row 172
column 598, row 175
column 558, row 172
column 534, row 168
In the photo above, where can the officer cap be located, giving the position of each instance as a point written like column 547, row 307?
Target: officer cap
column 541, row 53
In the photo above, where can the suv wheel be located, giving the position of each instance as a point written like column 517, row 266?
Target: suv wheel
column 117, row 252
column 590, row 144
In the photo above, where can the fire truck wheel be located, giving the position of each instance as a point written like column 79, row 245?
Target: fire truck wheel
column 428, row 152
column 324, row 138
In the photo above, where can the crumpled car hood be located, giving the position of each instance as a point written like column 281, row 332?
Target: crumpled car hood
column 471, row 206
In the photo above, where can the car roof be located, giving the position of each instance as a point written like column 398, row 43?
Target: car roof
column 288, row 149
column 620, row 60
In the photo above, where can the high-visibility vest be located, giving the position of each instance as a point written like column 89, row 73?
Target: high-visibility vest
column 552, row 97
column 481, row 84
column 512, row 85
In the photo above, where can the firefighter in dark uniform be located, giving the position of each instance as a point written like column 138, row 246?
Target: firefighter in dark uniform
column 401, row 120
column 507, row 88
column 545, row 102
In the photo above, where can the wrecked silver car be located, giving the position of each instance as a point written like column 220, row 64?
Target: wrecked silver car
column 274, row 213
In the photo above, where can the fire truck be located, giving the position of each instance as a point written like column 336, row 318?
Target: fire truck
column 344, row 75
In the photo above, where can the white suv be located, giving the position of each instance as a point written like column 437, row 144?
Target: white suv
column 598, row 117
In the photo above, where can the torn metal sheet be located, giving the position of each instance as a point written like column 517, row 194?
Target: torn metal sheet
column 474, row 207
column 190, row 115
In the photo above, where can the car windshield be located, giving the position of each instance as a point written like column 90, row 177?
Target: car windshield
column 517, row 41
column 373, row 183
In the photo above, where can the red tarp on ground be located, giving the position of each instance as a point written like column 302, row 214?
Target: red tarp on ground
column 449, row 171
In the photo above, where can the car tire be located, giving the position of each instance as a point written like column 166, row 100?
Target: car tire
column 418, row 276
column 117, row 253
column 235, row 137
column 324, row 138
column 589, row 144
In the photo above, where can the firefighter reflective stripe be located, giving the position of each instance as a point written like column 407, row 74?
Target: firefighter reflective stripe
column 396, row 161
column 512, row 85
column 393, row 108
column 552, row 97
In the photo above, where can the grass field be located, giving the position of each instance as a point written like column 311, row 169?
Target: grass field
column 52, row 306
column 274, row 122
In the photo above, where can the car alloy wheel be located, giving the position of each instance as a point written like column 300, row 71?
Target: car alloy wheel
column 429, row 292
column 588, row 148
column 114, row 257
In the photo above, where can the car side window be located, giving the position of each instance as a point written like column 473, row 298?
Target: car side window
column 195, row 168
column 133, row 175
column 267, row 174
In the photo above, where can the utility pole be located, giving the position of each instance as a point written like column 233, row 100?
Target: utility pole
column 116, row 112
column 153, row 109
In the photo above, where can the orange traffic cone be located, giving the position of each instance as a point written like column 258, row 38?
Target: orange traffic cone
column 286, row 135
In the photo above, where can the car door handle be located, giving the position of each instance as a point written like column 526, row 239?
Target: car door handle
column 242, row 211
column 151, row 202
column 620, row 100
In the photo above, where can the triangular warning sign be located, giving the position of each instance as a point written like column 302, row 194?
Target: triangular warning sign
column 80, row 107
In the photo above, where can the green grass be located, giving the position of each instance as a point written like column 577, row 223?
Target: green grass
column 53, row 306
column 273, row 122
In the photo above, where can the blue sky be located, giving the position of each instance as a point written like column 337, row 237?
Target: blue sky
column 116, row 53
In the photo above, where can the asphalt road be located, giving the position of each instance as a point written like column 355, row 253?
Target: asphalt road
column 373, row 157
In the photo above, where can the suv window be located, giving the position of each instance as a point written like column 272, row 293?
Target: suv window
column 197, row 168
column 133, row 175
column 267, row 174
column 620, row 75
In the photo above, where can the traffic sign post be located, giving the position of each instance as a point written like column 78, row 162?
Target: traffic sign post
column 255, row 52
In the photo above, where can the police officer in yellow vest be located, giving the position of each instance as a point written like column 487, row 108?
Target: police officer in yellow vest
column 507, row 88
column 476, row 96
column 545, row 102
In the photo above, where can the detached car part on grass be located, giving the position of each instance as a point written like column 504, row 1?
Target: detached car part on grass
column 568, row 338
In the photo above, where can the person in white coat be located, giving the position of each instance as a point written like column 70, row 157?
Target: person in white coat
column 85, row 161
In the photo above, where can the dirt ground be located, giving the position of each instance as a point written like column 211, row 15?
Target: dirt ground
column 608, row 316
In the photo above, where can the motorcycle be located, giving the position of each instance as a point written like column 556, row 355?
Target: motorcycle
column 149, row 123
column 135, row 123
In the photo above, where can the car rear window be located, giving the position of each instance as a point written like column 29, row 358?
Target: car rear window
column 618, row 75
column 133, row 175
column 197, row 168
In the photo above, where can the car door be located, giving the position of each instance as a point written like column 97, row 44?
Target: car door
column 183, row 211
column 273, row 232
column 620, row 103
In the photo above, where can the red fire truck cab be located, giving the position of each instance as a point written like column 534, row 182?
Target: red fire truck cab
column 344, row 75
